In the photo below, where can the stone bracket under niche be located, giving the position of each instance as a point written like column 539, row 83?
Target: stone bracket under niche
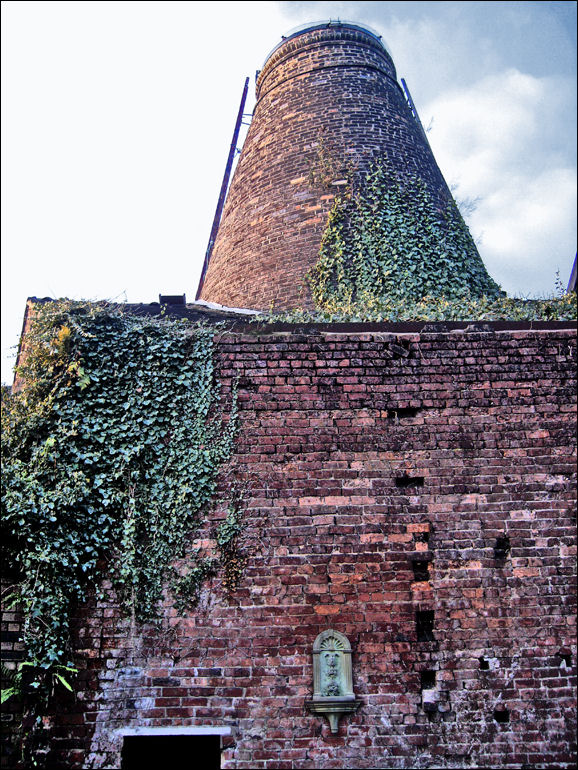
column 333, row 709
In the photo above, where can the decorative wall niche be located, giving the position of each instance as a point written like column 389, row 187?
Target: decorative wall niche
column 333, row 693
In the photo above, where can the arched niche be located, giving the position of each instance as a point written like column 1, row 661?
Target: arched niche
column 333, row 693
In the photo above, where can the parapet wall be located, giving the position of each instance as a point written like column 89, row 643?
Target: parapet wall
column 413, row 491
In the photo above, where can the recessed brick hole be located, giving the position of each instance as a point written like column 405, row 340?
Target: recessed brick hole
column 420, row 570
column 502, row 715
column 502, row 547
column 405, row 411
column 565, row 659
column 405, row 481
column 421, row 537
column 424, row 620
column 427, row 680
column 484, row 664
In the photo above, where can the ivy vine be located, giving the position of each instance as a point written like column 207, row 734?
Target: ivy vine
column 391, row 240
column 459, row 308
column 233, row 557
column 111, row 452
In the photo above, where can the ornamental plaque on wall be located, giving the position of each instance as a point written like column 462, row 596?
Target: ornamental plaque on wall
column 333, row 693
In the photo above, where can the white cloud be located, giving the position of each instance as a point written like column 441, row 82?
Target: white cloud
column 495, row 141
column 528, row 230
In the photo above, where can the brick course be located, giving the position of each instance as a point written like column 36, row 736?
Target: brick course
column 362, row 453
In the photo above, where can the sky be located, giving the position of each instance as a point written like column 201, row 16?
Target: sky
column 117, row 119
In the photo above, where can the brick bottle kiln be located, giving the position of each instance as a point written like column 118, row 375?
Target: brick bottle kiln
column 328, row 104
column 410, row 511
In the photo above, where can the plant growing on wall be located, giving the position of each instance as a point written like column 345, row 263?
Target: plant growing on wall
column 111, row 452
column 391, row 240
column 459, row 308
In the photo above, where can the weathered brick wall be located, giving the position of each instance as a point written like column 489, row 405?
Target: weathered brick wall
column 12, row 654
column 334, row 88
column 386, row 474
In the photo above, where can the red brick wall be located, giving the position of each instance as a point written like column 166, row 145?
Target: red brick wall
column 332, row 457
column 333, row 86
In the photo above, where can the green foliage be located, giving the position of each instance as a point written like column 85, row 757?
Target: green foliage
column 13, row 679
column 457, row 308
column 391, row 241
column 230, row 528
column 111, row 452
column 232, row 557
column 20, row 684
column 326, row 168
column 187, row 588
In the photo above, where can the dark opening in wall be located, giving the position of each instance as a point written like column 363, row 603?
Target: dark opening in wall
column 427, row 680
column 484, row 664
column 405, row 481
column 401, row 412
column 565, row 659
column 420, row 570
column 502, row 547
column 502, row 715
column 424, row 620
column 171, row 751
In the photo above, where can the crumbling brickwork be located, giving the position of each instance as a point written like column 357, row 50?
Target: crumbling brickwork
column 328, row 104
column 412, row 490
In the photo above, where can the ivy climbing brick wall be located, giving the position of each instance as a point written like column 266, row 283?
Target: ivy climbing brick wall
column 328, row 105
column 412, row 490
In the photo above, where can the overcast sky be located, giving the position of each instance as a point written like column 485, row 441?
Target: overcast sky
column 117, row 119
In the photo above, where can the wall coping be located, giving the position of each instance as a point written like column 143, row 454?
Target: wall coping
column 411, row 327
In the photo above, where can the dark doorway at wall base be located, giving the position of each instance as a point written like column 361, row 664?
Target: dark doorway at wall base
column 178, row 752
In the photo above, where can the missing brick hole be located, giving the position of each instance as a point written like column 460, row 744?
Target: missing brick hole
column 424, row 620
column 502, row 547
column 484, row 664
column 401, row 412
column 565, row 659
column 427, row 680
column 420, row 570
column 405, row 481
column 501, row 715
column 421, row 537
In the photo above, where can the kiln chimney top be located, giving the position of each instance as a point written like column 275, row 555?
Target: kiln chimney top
column 327, row 24
column 323, row 44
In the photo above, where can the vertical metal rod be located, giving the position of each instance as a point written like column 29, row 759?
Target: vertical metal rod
column 224, row 188
column 413, row 108
column 572, row 282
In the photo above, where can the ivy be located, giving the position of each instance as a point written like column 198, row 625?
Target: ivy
column 187, row 588
column 390, row 240
column 111, row 452
column 228, row 542
column 463, row 307
column 392, row 252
